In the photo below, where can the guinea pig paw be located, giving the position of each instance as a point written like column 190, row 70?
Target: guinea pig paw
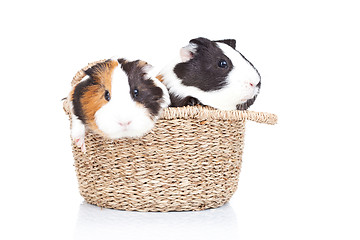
column 80, row 142
column 78, row 133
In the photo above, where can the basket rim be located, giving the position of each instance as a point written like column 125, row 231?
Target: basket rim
column 208, row 113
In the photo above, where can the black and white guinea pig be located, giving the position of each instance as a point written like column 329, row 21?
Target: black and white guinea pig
column 211, row 73
column 117, row 98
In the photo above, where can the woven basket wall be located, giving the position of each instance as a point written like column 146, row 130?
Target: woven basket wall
column 191, row 160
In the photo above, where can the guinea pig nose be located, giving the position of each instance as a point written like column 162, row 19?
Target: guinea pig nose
column 124, row 124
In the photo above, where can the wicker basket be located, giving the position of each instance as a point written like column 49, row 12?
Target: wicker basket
column 190, row 161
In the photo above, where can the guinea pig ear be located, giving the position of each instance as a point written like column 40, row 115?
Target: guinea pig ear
column 201, row 41
column 122, row 60
column 93, row 70
column 230, row 42
column 187, row 52
column 142, row 64
column 146, row 67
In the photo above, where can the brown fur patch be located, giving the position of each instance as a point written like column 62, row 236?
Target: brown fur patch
column 160, row 78
column 93, row 98
column 102, row 72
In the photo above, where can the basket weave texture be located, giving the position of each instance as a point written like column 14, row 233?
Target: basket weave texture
column 191, row 160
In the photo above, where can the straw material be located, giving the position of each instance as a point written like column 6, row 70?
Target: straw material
column 191, row 160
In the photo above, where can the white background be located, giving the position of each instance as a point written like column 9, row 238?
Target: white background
column 299, row 180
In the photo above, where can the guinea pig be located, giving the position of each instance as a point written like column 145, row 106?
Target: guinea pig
column 117, row 98
column 211, row 73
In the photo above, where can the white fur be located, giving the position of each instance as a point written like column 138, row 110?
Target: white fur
column 84, row 79
column 77, row 130
column 238, row 89
column 152, row 73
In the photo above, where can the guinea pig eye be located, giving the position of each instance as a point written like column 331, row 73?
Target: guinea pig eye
column 222, row 63
column 107, row 95
column 135, row 92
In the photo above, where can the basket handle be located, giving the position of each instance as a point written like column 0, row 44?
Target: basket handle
column 66, row 107
column 260, row 117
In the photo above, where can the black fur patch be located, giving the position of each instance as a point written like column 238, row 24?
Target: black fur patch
column 246, row 104
column 79, row 91
column 230, row 42
column 149, row 94
column 187, row 101
column 202, row 71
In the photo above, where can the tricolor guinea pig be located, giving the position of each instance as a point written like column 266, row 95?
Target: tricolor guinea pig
column 116, row 99
column 211, row 73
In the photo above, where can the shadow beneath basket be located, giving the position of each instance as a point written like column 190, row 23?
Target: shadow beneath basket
column 96, row 223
